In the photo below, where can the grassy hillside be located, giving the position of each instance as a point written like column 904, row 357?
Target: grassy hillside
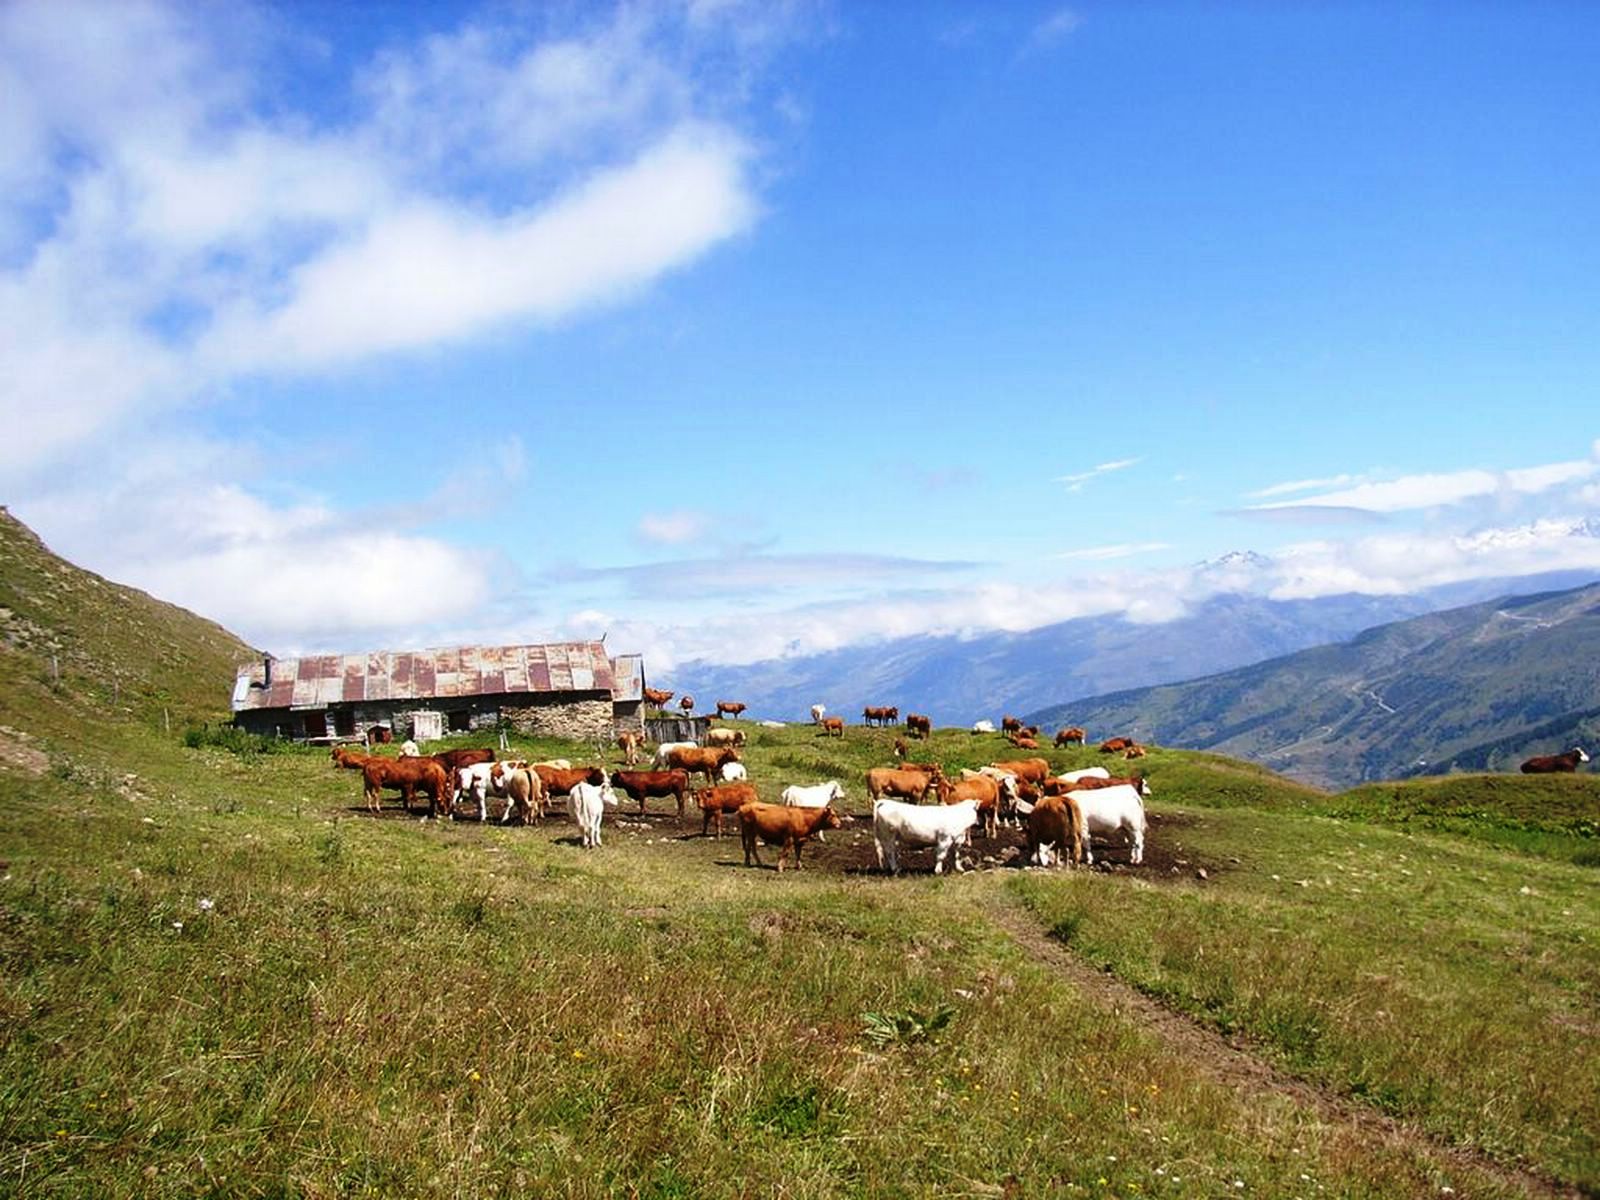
column 219, row 975
column 76, row 648
column 1397, row 700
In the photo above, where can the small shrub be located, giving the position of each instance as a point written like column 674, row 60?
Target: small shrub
column 906, row 1026
column 232, row 739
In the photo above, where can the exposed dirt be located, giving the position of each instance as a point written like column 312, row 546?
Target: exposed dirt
column 1240, row 1064
column 15, row 752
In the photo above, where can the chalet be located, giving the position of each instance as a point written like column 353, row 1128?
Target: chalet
column 567, row 689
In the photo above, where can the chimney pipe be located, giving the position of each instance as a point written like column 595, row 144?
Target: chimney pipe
column 266, row 668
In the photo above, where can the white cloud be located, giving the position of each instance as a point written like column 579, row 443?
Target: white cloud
column 1302, row 485
column 673, row 528
column 1075, row 483
column 1439, row 489
column 1118, row 550
column 1054, row 28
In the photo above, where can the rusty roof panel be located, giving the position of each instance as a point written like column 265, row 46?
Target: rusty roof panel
column 323, row 679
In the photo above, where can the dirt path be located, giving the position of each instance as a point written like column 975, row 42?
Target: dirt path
column 1238, row 1064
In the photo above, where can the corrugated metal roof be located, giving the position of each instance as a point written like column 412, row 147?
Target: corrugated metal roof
column 627, row 677
column 453, row 671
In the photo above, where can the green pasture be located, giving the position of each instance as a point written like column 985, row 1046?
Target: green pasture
column 221, row 977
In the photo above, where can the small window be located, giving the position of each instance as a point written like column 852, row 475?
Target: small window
column 460, row 721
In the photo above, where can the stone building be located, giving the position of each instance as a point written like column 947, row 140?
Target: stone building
column 566, row 689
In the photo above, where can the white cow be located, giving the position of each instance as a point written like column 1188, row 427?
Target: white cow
column 476, row 782
column 983, row 727
column 818, row 795
column 589, row 802
column 734, row 773
column 943, row 826
column 664, row 751
column 1105, row 811
column 816, row 713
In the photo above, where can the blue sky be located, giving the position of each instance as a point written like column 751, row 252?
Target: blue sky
column 744, row 329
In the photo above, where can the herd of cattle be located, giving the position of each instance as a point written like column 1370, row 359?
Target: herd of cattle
column 914, row 804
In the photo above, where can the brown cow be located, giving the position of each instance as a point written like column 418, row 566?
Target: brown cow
column 1023, row 743
column 724, row 798
column 1010, row 724
column 918, row 725
column 631, row 741
column 687, row 704
column 901, row 750
column 833, row 727
column 1054, row 786
column 657, row 697
column 706, row 760
column 1072, row 736
column 908, row 783
column 1034, row 770
column 724, row 737
column 641, row 785
column 983, row 789
column 1055, row 821
column 351, row 760
column 453, row 760
column 1134, row 751
column 1548, row 764
column 524, row 790
column 1112, row 745
column 559, row 781
column 781, row 826
column 731, row 707
column 406, row 775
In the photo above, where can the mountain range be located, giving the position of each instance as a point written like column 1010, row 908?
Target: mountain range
column 1477, row 687
column 958, row 680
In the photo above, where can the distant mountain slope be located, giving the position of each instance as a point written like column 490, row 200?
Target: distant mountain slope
column 958, row 680
column 75, row 646
column 1485, row 684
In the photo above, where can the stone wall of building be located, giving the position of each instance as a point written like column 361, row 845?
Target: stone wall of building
column 581, row 720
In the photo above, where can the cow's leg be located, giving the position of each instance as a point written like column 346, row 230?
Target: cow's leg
column 1137, row 857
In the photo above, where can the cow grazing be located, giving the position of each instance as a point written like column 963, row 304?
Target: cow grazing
column 705, row 761
column 641, row 785
column 1114, row 745
column 1070, row 737
column 816, row 713
column 734, row 773
column 983, row 727
column 918, row 725
column 631, row 741
column 589, row 804
column 787, row 828
column 405, row 775
column 897, row 781
column 1055, row 822
column 730, row 708
column 725, row 798
column 1106, row 811
column 350, row 760
column 943, row 827
column 819, row 795
column 473, row 783
column 1023, row 743
column 901, row 750
column 1134, row 751
column 657, row 697
column 687, row 704
column 1549, row 764
column 1137, row 782
column 724, row 737
column 1010, row 724
column 833, row 727
column 1034, row 770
